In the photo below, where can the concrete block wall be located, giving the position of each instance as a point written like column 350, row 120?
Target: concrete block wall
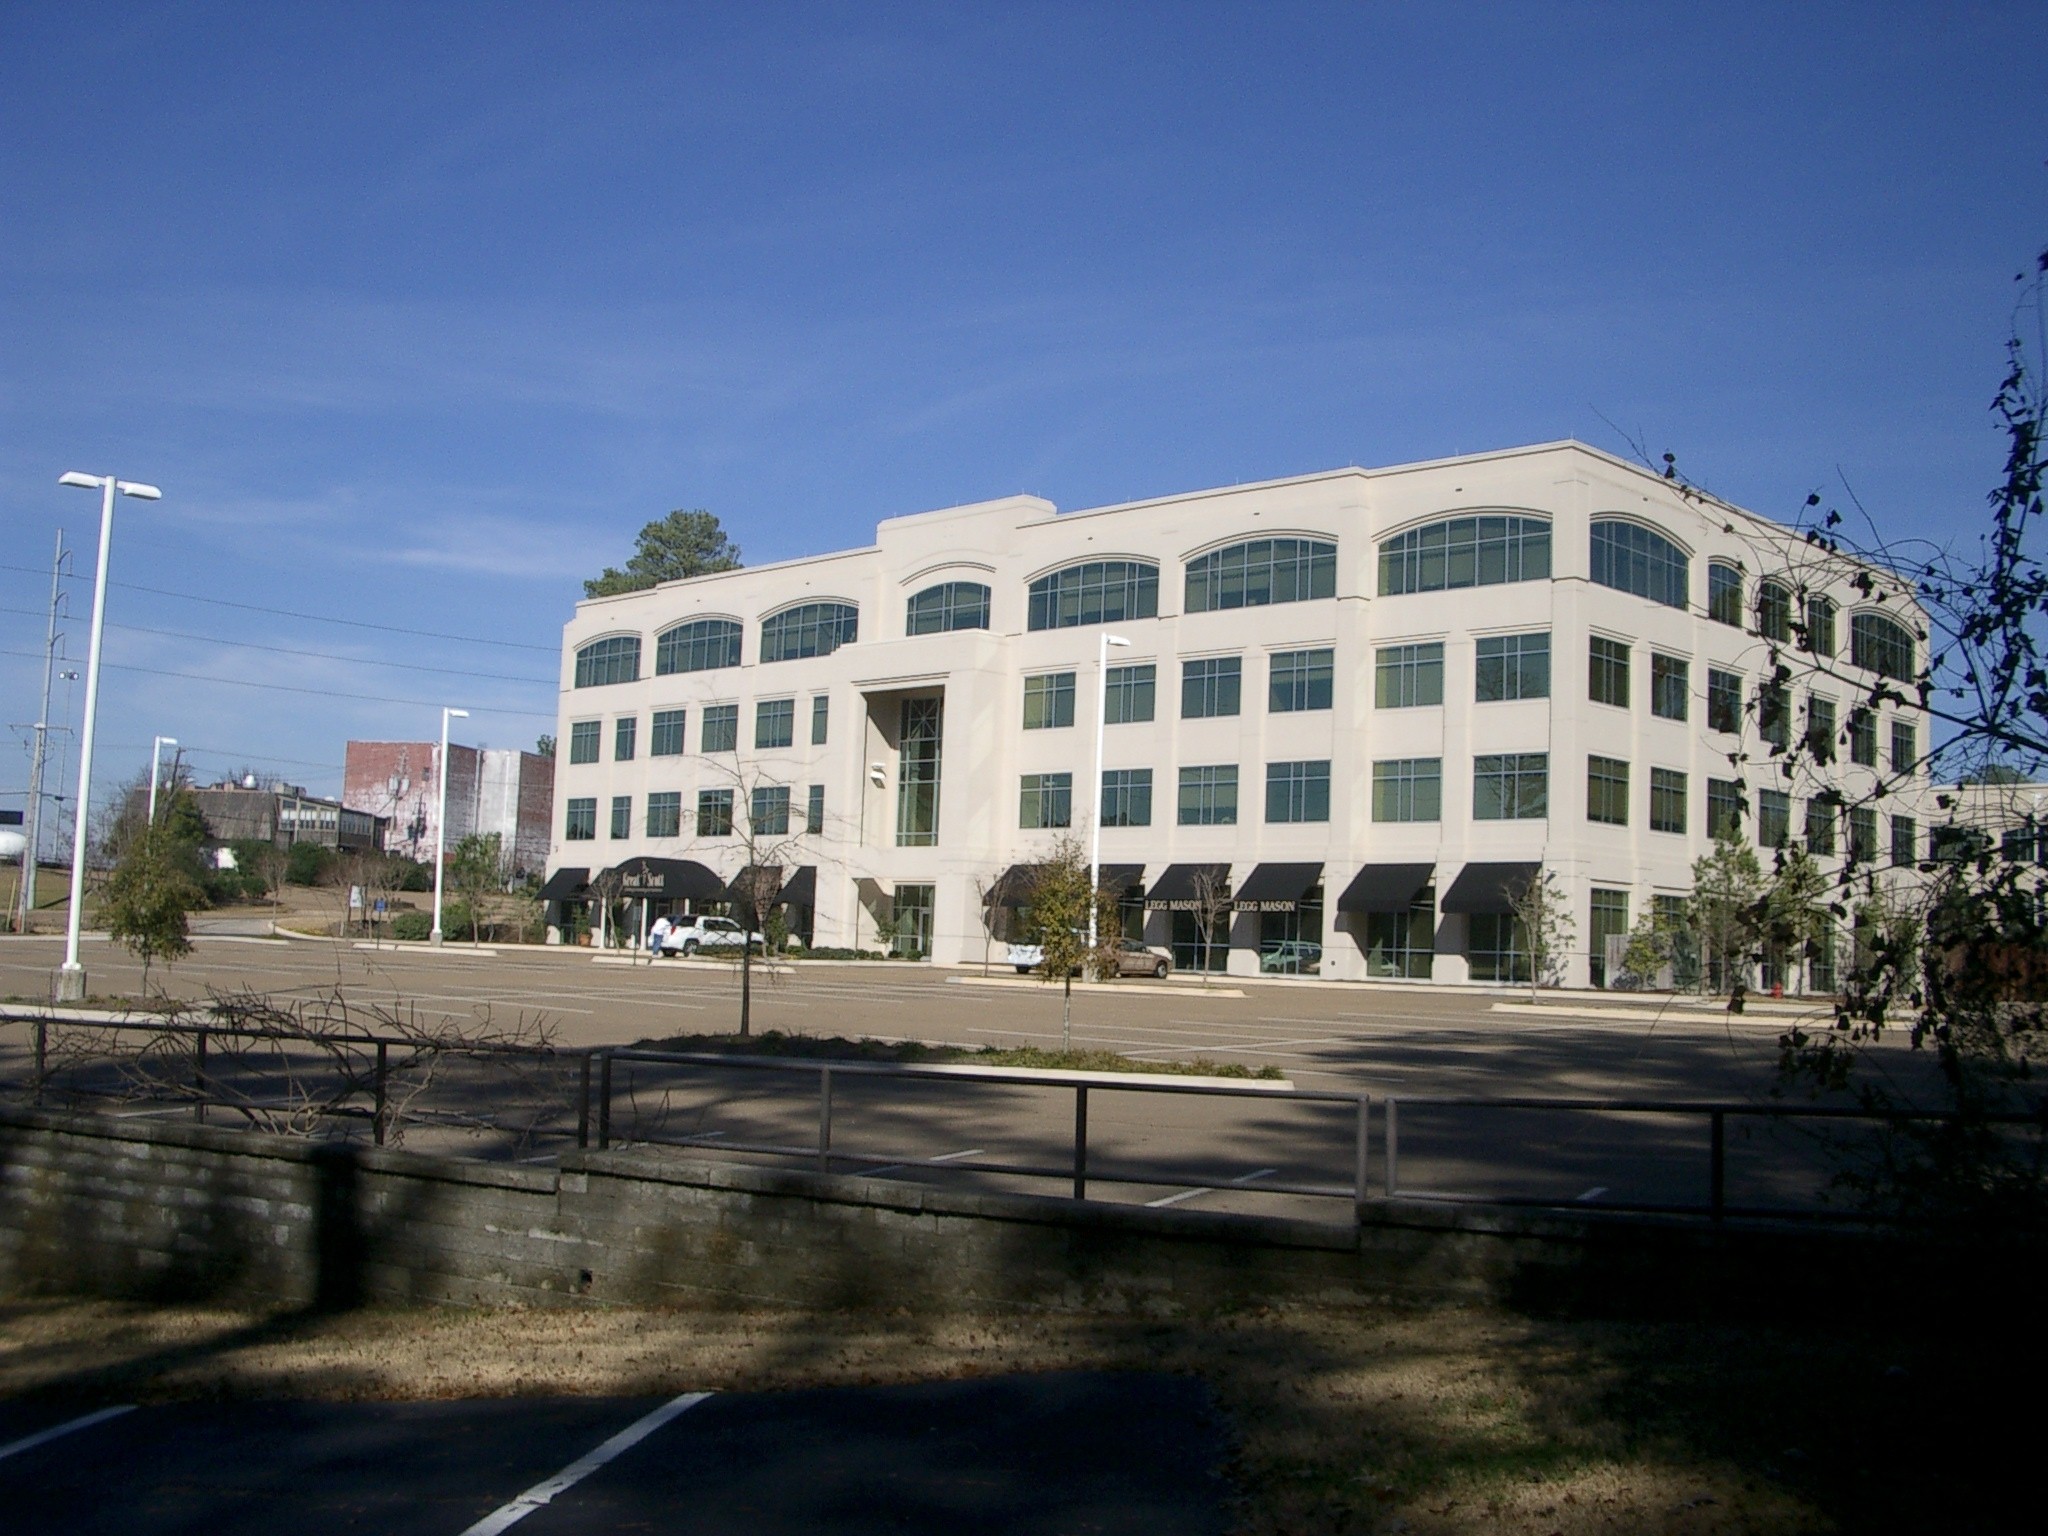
column 103, row 1207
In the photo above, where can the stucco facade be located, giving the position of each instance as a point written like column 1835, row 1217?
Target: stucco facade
column 1324, row 638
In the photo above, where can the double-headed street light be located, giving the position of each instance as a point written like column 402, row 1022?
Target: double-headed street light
column 1101, row 717
column 71, row 978
column 441, row 823
column 156, row 757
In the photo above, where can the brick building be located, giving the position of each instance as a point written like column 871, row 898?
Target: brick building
column 490, row 789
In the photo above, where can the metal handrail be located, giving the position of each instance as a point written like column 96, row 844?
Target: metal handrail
column 822, row 1153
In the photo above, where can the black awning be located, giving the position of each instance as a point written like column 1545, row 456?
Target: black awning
column 1123, row 877
column 569, row 883
column 1483, row 888
column 1174, row 891
column 756, row 880
column 1013, row 887
column 1385, row 887
column 667, row 880
column 801, row 888
column 1276, row 887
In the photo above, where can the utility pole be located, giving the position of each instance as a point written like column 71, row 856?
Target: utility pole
column 33, row 847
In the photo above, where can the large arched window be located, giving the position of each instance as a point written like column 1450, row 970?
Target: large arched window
column 1465, row 552
column 1099, row 592
column 1774, row 611
column 809, row 629
column 1881, row 645
column 614, row 659
column 1262, row 571
column 1631, row 558
column 948, row 606
column 1724, row 593
column 697, row 646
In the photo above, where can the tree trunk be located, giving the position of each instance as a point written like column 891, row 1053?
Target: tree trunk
column 746, row 983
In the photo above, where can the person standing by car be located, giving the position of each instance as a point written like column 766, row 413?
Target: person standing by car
column 657, row 936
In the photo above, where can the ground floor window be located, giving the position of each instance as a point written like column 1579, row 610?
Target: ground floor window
column 1291, row 943
column 1130, row 914
column 1610, row 921
column 1676, row 923
column 911, row 912
column 1820, row 961
column 1496, row 947
column 1192, row 951
column 1402, row 943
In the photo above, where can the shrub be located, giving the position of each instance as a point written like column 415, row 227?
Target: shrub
column 412, row 925
column 309, row 864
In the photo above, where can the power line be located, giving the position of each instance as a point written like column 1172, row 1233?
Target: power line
column 323, row 693
column 285, row 650
column 317, row 618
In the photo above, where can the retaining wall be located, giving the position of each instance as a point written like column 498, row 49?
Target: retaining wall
column 95, row 1206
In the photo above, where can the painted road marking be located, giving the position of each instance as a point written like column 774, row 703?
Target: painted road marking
column 1595, row 1192
column 30, row 1442
column 944, row 1157
column 509, row 1515
column 1189, row 1194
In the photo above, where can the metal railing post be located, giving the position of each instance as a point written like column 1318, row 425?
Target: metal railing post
column 199, row 1075
column 1080, row 1141
column 42, row 1058
column 1393, row 1149
column 383, row 1070
column 1362, row 1155
column 604, row 1102
column 583, row 1103
column 1717, row 1196
column 824, row 1119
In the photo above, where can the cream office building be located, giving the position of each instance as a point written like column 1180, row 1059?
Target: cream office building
column 1367, row 701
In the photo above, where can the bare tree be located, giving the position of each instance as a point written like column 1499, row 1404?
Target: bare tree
column 1544, row 916
column 1212, row 908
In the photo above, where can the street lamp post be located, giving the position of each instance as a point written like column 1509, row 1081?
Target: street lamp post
column 71, row 977
column 441, row 821
column 1095, row 836
column 156, row 749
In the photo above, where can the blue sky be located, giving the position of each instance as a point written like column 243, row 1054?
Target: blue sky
column 417, row 313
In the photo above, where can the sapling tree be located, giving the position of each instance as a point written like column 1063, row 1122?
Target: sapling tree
column 1544, row 916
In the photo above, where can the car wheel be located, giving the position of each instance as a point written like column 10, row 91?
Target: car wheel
column 1160, row 970
column 1023, row 970
column 689, row 948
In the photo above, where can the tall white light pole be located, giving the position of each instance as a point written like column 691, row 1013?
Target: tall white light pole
column 156, row 754
column 441, row 821
column 71, row 977
column 1095, row 837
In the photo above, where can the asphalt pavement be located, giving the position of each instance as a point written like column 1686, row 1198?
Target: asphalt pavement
column 1013, row 1455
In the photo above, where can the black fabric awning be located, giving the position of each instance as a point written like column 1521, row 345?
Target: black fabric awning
column 1014, row 885
column 1174, row 891
column 667, row 880
column 762, row 879
column 569, row 883
column 1385, row 887
column 1484, row 888
column 801, row 888
column 1123, row 877
column 1276, row 887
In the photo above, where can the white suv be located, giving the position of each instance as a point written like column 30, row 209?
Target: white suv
column 686, row 938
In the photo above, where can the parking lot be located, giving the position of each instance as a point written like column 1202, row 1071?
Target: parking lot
column 1353, row 1039
column 1023, row 1454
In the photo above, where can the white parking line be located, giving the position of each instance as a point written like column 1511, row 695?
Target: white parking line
column 30, row 1442
column 945, row 1157
column 1189, row 1194
column 509, row 1515
column 1595, row 1192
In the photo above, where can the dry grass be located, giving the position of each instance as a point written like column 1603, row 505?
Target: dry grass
column 1424, row 1421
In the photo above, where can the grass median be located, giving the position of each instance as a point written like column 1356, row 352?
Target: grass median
column 915, row 1052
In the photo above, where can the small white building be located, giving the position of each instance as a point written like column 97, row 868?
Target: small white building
column 1368, row 699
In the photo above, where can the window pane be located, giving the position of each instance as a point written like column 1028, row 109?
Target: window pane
column 698, row 646
column 1407, row 676
column 1463, row 552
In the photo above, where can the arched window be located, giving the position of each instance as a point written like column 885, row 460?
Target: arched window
column 948, row 606
column 1820, row 624
column 1774, row 611
column 1631, row 558
column 697, row 646
column 1099, row 592
column 1465, row 552
column 614, row 659
column 1724, row 593
column 1262, row 571
column 809, row 629
column 1881, row 645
